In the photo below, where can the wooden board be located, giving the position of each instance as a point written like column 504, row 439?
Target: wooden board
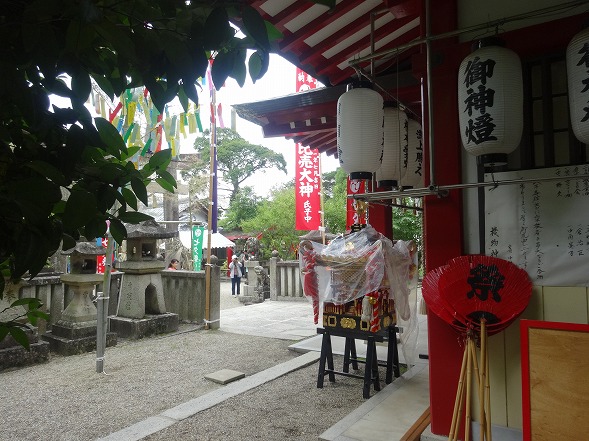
column 555, row 393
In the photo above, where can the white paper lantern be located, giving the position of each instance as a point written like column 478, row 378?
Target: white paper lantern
column 413, row 172
column 490, row 102
column 389, row 173
column 577, row 59
column 360, row 131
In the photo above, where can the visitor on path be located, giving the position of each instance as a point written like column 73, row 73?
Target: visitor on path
column 173, row 264
column 235, row 274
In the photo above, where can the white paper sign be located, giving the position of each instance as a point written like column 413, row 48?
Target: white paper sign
column 543, row 227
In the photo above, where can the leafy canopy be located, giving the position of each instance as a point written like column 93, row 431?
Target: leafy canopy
column 275, row 220
column 237, row 159
column 64, row 173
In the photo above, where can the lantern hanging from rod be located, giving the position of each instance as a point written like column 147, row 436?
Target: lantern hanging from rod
column 360, row 130
column 412, row 167
column 490, row 102
column 395, row 120
column 577, row 61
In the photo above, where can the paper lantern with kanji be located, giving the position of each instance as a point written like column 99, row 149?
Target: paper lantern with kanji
column 360, row 130
column 490, row 102
column 577, row 59
column 412, row 171
column 395, row 121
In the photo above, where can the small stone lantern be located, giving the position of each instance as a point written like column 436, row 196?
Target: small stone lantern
column 141, row 308
column 75, row 331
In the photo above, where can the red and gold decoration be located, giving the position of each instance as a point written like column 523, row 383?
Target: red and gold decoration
column 362, row 280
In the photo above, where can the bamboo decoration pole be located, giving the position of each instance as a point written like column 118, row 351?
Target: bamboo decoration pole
column 467, row 419
column 487, row 391
column 483, row 414
column 459, row 395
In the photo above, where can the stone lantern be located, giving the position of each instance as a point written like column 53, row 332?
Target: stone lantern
column 141, row 308
column 75, row 331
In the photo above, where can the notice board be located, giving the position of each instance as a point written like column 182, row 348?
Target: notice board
column 555, row 395
column 541, row 226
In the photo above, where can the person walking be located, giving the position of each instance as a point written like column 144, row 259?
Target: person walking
column 235, row 274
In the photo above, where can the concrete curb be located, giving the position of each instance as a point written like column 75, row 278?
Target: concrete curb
column 185, row 410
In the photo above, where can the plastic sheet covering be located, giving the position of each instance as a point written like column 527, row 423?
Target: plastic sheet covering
column 361, row 263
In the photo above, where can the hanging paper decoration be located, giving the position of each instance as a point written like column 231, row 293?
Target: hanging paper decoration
column 577, row 59
column 413, row 173
column 490, row 102
column 395, row 120
column 360, row 130
column 220, row 115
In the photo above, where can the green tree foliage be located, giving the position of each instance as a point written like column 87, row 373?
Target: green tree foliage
column 408, row 222
column 237, row 159
column 61, row 170
column 275, row 220
column 335, row 200
column 243, row 207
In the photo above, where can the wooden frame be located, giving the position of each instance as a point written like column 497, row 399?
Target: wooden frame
column 555, row 396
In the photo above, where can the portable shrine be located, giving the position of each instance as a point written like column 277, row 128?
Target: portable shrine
column 360, row 283
column 75, row 331
column 141, row 307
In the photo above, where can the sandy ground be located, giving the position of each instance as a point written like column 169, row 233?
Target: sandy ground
column 65, row 399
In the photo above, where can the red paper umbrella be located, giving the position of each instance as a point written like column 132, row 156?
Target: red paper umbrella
column 435, row 302
column 483, row 287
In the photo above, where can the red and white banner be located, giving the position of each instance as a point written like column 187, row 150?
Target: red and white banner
column 308, row 173
column 355, row 186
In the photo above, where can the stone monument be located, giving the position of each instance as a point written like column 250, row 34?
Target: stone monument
column 75, row 331
column 12, row 354
column 141, row 308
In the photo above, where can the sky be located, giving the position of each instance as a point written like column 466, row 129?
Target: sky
column 278, row 81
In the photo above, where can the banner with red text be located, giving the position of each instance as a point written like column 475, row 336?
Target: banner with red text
column 307, row 173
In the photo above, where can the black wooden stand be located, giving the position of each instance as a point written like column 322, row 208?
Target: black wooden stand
column 371, row 375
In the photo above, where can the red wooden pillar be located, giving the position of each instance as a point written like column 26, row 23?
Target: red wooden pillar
column 442, row 219
column 380, row 218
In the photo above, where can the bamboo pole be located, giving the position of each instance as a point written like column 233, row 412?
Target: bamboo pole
column 488, row 392
column 459, row 395
column 483, row 414
column 468, row 417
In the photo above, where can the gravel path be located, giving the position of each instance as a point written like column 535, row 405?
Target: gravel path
column 66, row 399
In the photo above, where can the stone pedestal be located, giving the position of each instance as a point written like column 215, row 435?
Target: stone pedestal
column 75, row 332
column 257, row 288
column 144, row 327
column 66, row 340
column 14, row 355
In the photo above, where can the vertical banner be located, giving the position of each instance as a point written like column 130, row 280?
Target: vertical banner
column 196, row 246
column 101, row 260
column 307, row 173
column 308, row 187
column 355, row 186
